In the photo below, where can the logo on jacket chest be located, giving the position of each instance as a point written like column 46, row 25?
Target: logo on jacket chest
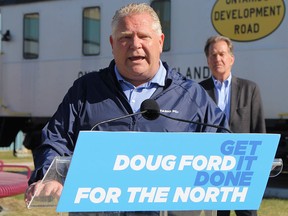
column 168, row 111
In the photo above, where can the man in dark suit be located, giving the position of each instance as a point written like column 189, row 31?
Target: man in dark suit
column 240, row 99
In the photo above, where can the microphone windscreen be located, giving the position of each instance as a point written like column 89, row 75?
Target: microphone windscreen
column 152, row 109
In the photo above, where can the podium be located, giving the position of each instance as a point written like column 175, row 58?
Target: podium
column 166, row 172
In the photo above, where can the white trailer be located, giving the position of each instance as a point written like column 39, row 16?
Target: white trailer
column 47, row 44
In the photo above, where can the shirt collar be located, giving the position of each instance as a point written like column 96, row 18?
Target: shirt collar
column 226, row 82
column 159, row 77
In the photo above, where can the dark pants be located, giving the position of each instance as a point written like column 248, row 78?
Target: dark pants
column 238, row 213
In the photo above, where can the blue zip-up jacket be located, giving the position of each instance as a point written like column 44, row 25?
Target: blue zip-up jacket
column 98, row 96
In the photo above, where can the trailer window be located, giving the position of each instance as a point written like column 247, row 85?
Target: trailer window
column 163, row 9
column 91, row 31
column 31, row 36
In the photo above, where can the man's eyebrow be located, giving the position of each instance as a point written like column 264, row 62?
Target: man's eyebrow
column 126, row 33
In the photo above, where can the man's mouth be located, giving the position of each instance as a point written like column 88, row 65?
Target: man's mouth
column 136, row 58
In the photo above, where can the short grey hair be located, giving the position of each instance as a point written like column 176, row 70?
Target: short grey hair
column 135, row 8
column 215, row 39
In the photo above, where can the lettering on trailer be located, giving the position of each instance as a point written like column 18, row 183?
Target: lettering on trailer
column 196, row 73
column 247, row 20
column 82, row 73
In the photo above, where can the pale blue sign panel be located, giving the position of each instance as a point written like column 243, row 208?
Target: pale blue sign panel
column 143, row 171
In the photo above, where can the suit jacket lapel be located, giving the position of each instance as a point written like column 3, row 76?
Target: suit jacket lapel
column 234, row 97
column 210, row 89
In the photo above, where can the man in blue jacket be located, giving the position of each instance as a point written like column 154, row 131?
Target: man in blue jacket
column 135, row 74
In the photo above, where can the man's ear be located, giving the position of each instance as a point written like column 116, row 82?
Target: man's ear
column 232, row 59
column 161, row 42
column 111, row 41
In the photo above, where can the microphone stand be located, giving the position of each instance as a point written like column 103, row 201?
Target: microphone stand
column 199, row 123
column 117, row 118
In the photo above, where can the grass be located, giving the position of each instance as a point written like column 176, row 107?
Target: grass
column 8, row 157
column 15, row 206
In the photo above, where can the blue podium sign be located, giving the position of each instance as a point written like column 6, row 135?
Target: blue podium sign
column 148, row 171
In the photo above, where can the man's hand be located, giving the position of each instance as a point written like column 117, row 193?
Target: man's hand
column 48, row 188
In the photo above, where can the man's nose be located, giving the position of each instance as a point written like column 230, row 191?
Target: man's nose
column 135, row 42
column 217, row 58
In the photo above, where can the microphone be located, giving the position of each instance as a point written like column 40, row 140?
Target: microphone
column 149, row 109
column 153, row 111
